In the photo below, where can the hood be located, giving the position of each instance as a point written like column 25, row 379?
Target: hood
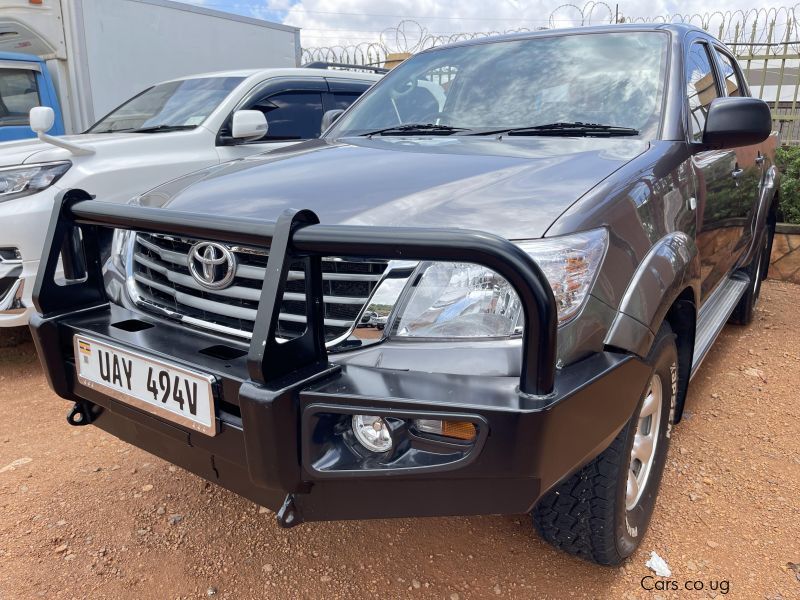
column 31, row 150
column 514, row 187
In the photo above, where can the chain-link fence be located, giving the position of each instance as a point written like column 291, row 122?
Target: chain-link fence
column 765, row 41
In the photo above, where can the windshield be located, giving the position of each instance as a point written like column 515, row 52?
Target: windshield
column 175, row 105
column 614, row 79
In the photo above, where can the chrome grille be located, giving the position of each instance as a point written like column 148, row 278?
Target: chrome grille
column 159, row 267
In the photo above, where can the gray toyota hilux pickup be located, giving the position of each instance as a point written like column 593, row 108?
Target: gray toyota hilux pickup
column 552, row 228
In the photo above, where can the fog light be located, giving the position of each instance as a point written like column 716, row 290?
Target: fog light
column 461, row 430
column 372, row 432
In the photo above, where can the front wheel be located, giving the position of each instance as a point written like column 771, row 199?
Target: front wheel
column 602, row 512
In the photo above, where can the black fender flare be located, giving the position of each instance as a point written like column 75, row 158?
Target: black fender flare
column 671, row 266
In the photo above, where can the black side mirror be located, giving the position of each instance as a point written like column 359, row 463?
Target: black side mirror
column 329, row 118
column 738, row 121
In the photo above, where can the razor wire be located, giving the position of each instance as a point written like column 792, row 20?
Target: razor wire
column 758, row 31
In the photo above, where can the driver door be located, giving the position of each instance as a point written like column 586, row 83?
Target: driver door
column 718, row 175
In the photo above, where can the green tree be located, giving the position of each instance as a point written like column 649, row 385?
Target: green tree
column 788, row 161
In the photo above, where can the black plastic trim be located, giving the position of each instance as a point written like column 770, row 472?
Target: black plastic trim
column 470, row 450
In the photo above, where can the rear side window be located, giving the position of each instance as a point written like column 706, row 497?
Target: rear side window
column 19, row 93
column 733, row 79
column 701, row 88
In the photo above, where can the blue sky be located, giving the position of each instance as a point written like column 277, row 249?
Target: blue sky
column 249, row 8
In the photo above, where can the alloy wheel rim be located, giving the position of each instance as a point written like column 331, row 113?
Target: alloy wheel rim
column 645, row 441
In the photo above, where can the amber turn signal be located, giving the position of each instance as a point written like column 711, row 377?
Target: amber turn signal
column 460, row 430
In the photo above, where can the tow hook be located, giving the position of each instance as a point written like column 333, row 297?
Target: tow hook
column 81, row 414
column 288, row 515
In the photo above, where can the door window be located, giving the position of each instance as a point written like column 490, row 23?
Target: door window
column 291, row 115
column 342, row 100
column 733, row 79
column 701, row 88
column 19, row 93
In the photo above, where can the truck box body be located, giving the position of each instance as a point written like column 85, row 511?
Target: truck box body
column 99, row 53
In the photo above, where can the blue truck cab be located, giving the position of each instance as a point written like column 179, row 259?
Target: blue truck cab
column 25, row 83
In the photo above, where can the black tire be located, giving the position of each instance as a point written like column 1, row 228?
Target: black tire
column 587, row 515
column 743, row 313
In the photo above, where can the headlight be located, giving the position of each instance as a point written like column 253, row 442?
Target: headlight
column 16, row 182
column 119, row 241
column 570, row 264
column 458, row 300
column 119, row 248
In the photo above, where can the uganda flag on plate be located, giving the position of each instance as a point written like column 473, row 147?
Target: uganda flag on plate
column 86, row 350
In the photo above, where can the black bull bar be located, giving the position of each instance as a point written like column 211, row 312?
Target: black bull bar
column 530, row 435
column 297, row 234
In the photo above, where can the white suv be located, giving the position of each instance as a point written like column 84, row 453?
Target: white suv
column 168, row 130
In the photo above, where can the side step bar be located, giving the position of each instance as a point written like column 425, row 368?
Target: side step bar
column 714, row 314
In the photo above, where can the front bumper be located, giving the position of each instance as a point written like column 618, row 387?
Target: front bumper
column 268, row 446
column 16, row 284
column 281, row 413
column 24, row 228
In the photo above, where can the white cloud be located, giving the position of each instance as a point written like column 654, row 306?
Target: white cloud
column 351, row 22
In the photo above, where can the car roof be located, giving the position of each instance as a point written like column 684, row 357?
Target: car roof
column 284, row 72
column 675, row 28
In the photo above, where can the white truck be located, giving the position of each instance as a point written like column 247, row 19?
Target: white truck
column 99, row 53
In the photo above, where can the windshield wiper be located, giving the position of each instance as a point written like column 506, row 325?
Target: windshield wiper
column 567, row 129
column 423, row 128
column 159, row 128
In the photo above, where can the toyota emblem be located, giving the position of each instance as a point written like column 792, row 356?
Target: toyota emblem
column 212, row 265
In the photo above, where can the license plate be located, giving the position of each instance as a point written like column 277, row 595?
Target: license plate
column 169, row 391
